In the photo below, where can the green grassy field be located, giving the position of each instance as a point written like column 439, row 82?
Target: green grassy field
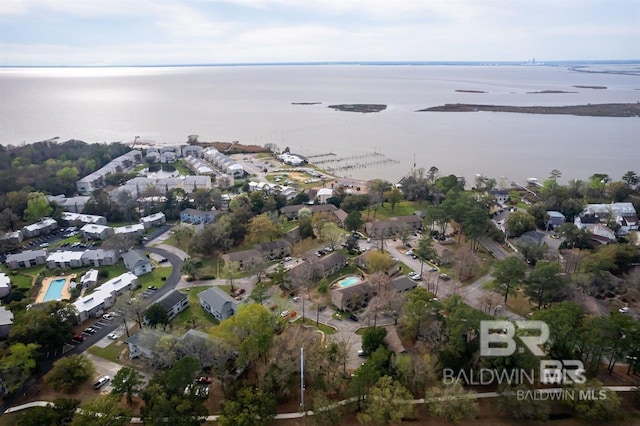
column 322, row 327
column 110, row 352
column 194, row 315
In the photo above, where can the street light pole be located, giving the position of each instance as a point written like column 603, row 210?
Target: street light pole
column 302, row 379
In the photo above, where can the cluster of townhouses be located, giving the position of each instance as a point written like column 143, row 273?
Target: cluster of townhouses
column 96, row 180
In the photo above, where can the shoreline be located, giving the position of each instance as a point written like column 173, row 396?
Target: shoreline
column 625, row 110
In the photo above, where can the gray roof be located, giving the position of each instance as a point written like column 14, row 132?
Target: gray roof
column 134, row 257
column 216, row 298
column 6, row 316
column 171, row 299
column 403, row 283
column 146, row 338
column 26, row 255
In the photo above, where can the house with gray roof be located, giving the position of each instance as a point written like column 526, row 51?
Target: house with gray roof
column 403, row 283
column 275, row 249
column 144, row 341
column 96, row 232
column 218, row 303
column 245, row 259
column 5, row 285
column 195, row 216
column 393, row 226
column 43, row 227
column 6, row 321
column 554, row 219
column 26, row 259
column 173, row 303
column 352, row 297
column 100, row 257
column 156, row 219
column 137, row 263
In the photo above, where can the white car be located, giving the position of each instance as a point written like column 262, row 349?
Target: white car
column 284, row 314
column 623, row 310
column 112, row 336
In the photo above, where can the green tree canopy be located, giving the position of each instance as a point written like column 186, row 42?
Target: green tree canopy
column 509, row 273
column 37, row 207
column 17, row 366
column 127, row 381
column 373, row 338
column 248, row 407
column 69, row 372
column 388, row 402
column 156, row 314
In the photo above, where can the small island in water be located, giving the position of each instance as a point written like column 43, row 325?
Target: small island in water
column 589, row 110
column 364, row 108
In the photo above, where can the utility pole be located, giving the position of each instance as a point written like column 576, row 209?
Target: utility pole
column 302, row 379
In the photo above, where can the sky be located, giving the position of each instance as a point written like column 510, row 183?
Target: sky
column 171, row 32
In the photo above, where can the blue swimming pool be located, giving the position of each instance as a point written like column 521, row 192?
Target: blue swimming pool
column 54, row 292
column 346, row 282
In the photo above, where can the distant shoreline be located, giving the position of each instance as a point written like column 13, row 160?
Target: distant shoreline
column 589, row 110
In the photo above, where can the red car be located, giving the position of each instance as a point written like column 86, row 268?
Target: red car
column 77, row 338
column 204, row 380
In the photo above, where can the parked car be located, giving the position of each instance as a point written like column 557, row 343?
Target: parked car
column 362, row 352
column 353, row 317
column 204, row 380
column 77, row 338
column 284, row 314
column 101, row 382
column 90, row 330
column 444, row 277
column 296, row 298
column 112, row 336
column 623, row 310
column 107, row 317
column 152, row 288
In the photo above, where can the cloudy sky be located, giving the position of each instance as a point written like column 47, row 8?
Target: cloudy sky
column 147, row 32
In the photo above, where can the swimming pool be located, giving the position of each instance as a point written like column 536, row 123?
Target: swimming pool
column 346, row 282
column 54, row 292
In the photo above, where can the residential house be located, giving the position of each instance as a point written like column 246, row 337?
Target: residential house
column 198, row 166
column 533, row 237
column 218, row 303
column 194, row 216
column 144, row 342
column 403, row 283
column 245, row 259
column 173, row 303
column 153, row 156
column 104, row 296
column 43, row 227
column 324, row 194
column 291, row 212
column 352, row 297
column 156, row 219
column 581, row 222
column 89, row 279
column 443, row 254
column 341, row 215
column 168, row 157
column 394, row 226
column 136, row 229
column 192, row 151
column 6, row 321
column 502, row 195
column 65, row 259
column 78, row 219
column 100, row 257
column 137, row 263
column 12, row 239
column 26, row 259
column 275, row 249
column 318, row 268
column 191, row 183
column 553, row 219
column 70, row 204
column 96, row 180
column 601, row 234
column 627, row 223
column 5, row 285
column 361, row 262
column 96, row 232
column 225, row 181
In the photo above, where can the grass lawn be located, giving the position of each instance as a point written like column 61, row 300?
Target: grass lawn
column 403, row 208
column 322, row 327
column 114, row 270
column 110, row 352
column 20, row 280
column 154, row 278
column 194, row 314
column 519, row 304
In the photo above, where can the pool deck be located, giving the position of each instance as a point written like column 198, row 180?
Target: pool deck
column 66, row 294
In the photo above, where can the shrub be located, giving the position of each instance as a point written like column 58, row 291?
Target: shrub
column 103, row 273
column 163, row 279
column 208, row 277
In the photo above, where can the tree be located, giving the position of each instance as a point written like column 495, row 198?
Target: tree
column 332, row 234
column 261, row 229
column 325, row 412
column 555, row 174
column 248, row 407
column 519, row 222
column 630, row 178
column 61, row 412
column 509, row 272
column 394, row 197
column 522, row 408
column 452, row 402
column 353, row 222
column 192, row 266
column 546, row 283
column 127, row 381
column 373, row 338
column 69, row 372
column 378, row 261
column 604, row 407
column 177, row 410
column 49, row 327
column 17, row 366
column 156, row 314
column 37, row 207
column 388, row 402
column 182, row 373
column 102, row 411
column 182, row 234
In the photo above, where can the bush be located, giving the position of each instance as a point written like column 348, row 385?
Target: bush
column 208, row 277
column 163, row 279
column 14, row 272
column 103, row 273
